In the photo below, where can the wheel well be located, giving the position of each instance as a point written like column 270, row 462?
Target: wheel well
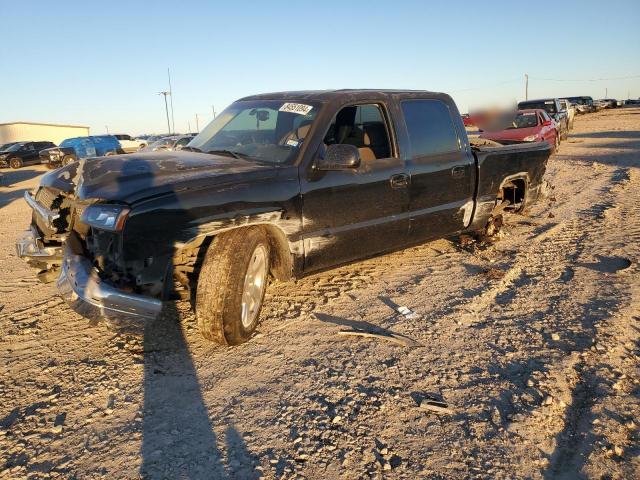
column 513, row 191
column 188, row 259
column 281, row 258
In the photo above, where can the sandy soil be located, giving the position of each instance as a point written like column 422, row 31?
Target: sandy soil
column 533, row 343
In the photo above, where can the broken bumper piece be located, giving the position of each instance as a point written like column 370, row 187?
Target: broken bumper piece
column 84, row 291
column 30, row 248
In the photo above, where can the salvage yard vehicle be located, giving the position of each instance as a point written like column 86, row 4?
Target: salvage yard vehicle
column 175, row 142
column 279, row 185
column 23, row 153
column 571, row 111
column 583, row 104
column 128, row 144
column 523, row 126
column 73, row 149
column 554, row 108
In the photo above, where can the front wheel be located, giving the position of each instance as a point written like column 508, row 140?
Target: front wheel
column 15, row 162
column 231, row 285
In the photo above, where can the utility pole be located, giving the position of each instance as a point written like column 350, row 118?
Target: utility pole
column 166, row 109
column 189, row 126
column 197, row 124
column 526, row 86
column 107, row 127
column 213, row 110
column 173, row 122
column 606, row 92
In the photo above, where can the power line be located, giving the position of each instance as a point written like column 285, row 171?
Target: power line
column 584, row 79
column 486, row 86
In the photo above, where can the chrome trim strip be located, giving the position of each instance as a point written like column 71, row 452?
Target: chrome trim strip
column 46, row 214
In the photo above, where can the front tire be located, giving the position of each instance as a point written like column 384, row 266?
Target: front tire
column 15, row 163
column 231, row 285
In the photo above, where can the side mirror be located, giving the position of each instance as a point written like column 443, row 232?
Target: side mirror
column 340, row 156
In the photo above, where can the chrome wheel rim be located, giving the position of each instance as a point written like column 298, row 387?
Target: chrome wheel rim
column 254, row 284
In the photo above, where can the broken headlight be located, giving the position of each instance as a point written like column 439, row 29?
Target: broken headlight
column 105, row 217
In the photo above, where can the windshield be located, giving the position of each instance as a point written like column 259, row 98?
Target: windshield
column 15, row 147
column 266, row 130
column 548, row 105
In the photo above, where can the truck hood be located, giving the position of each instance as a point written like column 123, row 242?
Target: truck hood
column 133, row 177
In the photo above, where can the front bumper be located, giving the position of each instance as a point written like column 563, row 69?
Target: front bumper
column 84, row 291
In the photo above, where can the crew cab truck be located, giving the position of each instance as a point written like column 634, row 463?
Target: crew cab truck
column 278, row 185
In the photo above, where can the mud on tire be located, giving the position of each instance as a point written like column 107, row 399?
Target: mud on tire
column 221, row 285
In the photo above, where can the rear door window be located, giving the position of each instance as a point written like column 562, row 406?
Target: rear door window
column 430, row 127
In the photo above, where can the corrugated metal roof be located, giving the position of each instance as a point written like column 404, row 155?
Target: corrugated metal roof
column 43, row 124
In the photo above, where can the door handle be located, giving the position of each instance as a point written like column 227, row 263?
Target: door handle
column 400, row 180
column 458, row 171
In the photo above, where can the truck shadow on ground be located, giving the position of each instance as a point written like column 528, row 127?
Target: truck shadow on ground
column 9, row 178
column 608, row 134
column 8, row 198
column 178, row 437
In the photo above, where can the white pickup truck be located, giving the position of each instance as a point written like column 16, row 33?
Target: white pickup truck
column 128, row 144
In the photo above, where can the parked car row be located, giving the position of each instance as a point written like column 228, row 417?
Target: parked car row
column 546, row 119
column 19, row 154
column 173, row 142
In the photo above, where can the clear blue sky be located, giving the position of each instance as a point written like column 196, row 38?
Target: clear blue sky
column 102, row 63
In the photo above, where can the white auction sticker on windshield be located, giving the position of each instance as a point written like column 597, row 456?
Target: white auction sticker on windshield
column 299, row 108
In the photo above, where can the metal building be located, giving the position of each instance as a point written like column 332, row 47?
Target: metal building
column 30, row 131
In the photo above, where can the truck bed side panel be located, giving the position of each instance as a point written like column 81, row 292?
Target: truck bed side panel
column 498, row 164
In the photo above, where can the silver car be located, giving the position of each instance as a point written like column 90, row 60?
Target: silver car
column 175, row 142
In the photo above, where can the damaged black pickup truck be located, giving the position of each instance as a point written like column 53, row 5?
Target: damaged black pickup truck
column 278, row 185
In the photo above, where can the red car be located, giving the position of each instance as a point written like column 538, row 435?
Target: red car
column 523, row 126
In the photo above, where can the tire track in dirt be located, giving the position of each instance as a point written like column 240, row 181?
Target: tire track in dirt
column 577, row 440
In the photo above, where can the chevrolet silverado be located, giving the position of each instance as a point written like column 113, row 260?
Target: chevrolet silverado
column 277, row 186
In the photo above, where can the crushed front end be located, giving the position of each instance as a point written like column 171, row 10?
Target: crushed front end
column 85, row 261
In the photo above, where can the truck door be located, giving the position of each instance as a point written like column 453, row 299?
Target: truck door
column 442, row 170
column 358, row 212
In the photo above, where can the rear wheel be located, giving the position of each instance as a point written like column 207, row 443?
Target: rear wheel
column 231, row 285
column 15, row 162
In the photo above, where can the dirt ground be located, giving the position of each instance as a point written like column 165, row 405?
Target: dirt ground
column 533, row 343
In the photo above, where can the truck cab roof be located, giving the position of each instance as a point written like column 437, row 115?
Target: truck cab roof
column 328, row 95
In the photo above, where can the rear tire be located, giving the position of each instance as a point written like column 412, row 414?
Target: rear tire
column 15, row 163
column 231, row 285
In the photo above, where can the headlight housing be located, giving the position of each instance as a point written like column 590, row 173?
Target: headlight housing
column 530, row 138
column 105, row 217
